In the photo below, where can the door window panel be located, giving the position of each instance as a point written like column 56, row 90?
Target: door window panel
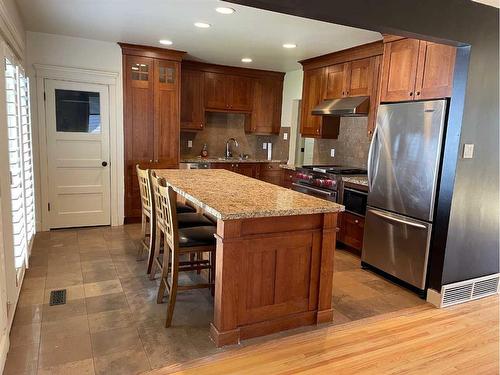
column 78, row 111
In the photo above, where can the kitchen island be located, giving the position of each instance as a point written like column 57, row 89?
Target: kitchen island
column 274, row 257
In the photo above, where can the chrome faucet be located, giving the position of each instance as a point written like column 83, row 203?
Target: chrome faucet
column 229, row 153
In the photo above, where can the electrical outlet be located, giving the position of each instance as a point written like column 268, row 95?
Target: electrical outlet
column 468, row 152
column 285, row 136
column 190, row 143
column 264, row 146
column 332, row 152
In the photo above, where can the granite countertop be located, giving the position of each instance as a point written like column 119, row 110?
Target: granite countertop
column 358, row 180
column 229, row 196
column 235, row 160
column 289, row 166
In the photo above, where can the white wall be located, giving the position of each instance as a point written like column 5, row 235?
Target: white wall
column 292, row 90
column 50, row 49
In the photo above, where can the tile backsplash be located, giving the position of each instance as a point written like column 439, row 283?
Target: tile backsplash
column 221, row 126
column 351, row 147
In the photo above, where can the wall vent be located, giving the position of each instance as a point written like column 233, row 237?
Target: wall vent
column 464, row 291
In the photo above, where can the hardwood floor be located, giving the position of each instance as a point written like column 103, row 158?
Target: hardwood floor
column 421, row 340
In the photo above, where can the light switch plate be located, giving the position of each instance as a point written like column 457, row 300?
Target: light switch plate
column 264, row 146
column 468, row 152
column 190, row 143
column 285, row 136
column 332, row 152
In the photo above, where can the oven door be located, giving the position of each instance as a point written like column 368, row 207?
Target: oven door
column 354, row 201
column 315, row 191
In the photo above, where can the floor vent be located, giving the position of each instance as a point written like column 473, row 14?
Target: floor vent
column 469, row 290
column 57, row 297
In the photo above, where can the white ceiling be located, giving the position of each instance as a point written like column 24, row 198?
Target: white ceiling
column 249, row 32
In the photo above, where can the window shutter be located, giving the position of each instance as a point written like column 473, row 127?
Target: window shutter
column 15, row 164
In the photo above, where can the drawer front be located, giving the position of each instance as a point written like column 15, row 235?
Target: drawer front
column 270, row 167
column 352, row 228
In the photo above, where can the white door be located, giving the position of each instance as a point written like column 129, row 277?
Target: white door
column 78, row 153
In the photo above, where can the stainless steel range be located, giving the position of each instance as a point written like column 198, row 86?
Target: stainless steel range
column 323, row 181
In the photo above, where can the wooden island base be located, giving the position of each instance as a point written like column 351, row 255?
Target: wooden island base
column 272, row 274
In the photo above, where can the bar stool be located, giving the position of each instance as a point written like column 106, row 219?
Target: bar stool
column 188, row 217
column 177, row 242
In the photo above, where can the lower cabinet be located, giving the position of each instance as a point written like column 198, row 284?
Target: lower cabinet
column 271, row 172
column 287, row 178
column 246, row 169
column 351, row 230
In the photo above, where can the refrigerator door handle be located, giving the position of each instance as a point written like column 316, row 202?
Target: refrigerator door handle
column 370, row 156
column 402, row 221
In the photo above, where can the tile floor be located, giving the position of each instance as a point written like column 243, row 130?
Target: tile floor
column 111, row 323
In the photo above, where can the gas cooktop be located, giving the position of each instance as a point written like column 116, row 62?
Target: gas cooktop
column 334, row 169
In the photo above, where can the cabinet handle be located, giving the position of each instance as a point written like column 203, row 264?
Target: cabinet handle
column 411, row 94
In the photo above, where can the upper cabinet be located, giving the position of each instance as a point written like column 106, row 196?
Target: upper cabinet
column 266, row 113
column 348, row 73
column 218, row 88
column 416, row 70
column 228, row 92
column 436, row 63
column 354, row 78
column 192, row 103
column 152, row 88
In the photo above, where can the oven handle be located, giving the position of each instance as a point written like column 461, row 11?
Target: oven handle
column 313, row 189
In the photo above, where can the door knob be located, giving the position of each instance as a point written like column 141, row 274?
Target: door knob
column 104, row 163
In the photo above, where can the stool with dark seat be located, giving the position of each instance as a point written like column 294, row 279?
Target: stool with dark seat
column 177, row 242
column 188, row 217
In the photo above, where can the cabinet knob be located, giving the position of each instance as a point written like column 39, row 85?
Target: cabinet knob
column 356, row 221
column 151, row 160
column 317, row 131
column 411, row 94
column 418, row 92
column 156, row 161
column 201, row 125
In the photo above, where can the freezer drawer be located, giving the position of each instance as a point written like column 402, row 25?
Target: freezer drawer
column 397, row 245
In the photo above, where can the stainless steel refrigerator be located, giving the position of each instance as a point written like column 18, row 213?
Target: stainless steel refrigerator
column 403, row 167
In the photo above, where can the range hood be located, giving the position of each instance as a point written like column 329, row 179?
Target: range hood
column 355, row 106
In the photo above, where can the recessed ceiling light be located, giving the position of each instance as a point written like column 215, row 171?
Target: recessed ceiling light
column 246, row 60
column 202, row 25
column 166, row 42
column 225, row 10
column 289, row 45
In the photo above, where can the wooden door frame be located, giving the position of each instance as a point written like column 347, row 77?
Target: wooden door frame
column 43, row 72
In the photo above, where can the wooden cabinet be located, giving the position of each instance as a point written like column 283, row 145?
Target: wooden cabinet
column 266, row 110
column 151, row 115
column 228, row 92
column 240, row 93
column 312, row 95
column 337, row 81
column 347, row 73
column 436, row 63
column 287, row 178
column 351, row 230
column 244, row 168
column 218, row 88
column 192, row 100
column 414, row 69
column 271, row 172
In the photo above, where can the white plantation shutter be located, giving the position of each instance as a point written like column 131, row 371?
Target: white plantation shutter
column 27, row 156
column 20, row 162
